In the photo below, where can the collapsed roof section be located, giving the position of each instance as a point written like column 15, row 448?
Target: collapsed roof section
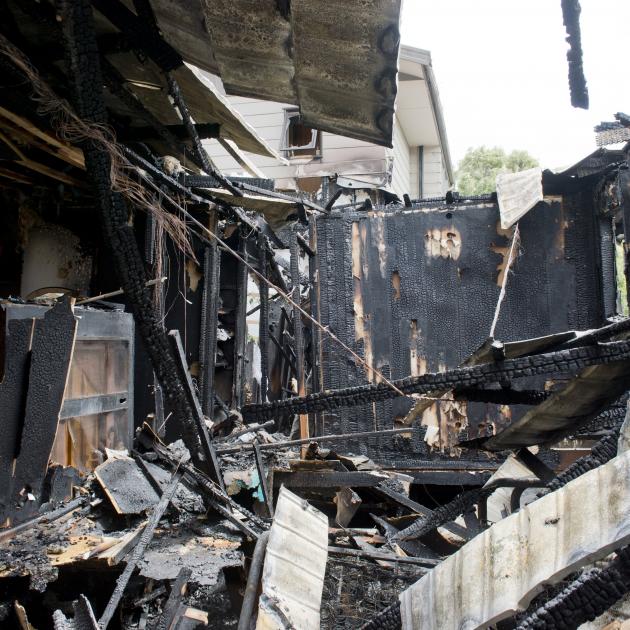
column 341, row 73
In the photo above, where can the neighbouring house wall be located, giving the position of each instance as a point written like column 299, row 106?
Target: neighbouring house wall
column 340, row 155
column 401, row 166
column 414, row 183
column 435, row 182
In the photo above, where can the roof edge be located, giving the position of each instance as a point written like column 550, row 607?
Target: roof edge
column 438, row 114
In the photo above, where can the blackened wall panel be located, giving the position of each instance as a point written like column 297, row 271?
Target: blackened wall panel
column 415, row 290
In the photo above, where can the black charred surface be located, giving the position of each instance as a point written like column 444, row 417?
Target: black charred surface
column 577, row 81
column 13, row 399
column 51, row 351
column 442, row 305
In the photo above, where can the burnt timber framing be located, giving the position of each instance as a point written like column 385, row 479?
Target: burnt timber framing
column 426, row 312
column 83, row 59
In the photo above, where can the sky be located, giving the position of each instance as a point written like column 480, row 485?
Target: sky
column 502, row 72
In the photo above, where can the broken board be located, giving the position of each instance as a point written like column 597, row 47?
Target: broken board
column 51, row 352
column 125, row 485
column 501, row 570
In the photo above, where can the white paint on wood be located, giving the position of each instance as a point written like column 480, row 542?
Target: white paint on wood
column 501, row 570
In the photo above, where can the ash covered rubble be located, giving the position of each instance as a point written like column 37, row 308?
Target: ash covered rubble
column 237, row 401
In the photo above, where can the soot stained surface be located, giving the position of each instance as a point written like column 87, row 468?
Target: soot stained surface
column 416, row 291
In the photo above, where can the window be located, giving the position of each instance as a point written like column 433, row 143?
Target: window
column 298, row 140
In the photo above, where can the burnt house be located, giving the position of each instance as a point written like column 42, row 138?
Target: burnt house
column 226, row 402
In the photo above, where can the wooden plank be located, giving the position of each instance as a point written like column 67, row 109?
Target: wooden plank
column 335, row 479
column 64, row 151
column 127, row 488
column 51, row 352
column 501, row 570
column 12, row 394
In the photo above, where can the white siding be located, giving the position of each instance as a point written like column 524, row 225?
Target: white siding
column 400, row 172
column 433, row 182
column 414, row 193
column 339, row 154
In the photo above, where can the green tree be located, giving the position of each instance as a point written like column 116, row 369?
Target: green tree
column 478, row 169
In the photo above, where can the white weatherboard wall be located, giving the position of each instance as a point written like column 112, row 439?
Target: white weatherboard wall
column 502, row 569
column 401, row 167
column 433, row 175
column 339, row 154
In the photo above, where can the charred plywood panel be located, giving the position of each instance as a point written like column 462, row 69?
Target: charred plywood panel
column 415, row 291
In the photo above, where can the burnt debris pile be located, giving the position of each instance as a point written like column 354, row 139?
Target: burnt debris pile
column 255, row 372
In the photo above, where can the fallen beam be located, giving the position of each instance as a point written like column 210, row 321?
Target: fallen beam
column 570, row 360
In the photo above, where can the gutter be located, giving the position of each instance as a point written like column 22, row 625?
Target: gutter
column 436, row 107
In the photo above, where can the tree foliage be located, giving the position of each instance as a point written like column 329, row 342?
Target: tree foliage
column 478, row 169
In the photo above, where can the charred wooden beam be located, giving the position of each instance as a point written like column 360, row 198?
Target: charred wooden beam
column 298, row 330
column 210, row 301
column 584, row 599
column 334, row 479
column 263, row 327
column 84, row 64
column 200, row 424
column 262, row 477
column 570, row 360
column 503, row 396
column 200, row 152
column 171, row 608
column 240, row 333
column 577, row 81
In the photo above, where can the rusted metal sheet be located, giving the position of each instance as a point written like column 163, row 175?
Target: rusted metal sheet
column 346, row 65
column 340, row 69
column 415, row 290
column 501, row 570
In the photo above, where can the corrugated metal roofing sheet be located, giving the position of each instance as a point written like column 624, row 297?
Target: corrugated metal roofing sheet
column 338, row 62
column 295, row 564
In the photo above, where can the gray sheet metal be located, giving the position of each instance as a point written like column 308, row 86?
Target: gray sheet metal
column 346, row 65
column 293, row 574
column 337, row 62
column 252, row 47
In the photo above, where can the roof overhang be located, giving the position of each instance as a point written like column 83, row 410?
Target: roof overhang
column 418, row 106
